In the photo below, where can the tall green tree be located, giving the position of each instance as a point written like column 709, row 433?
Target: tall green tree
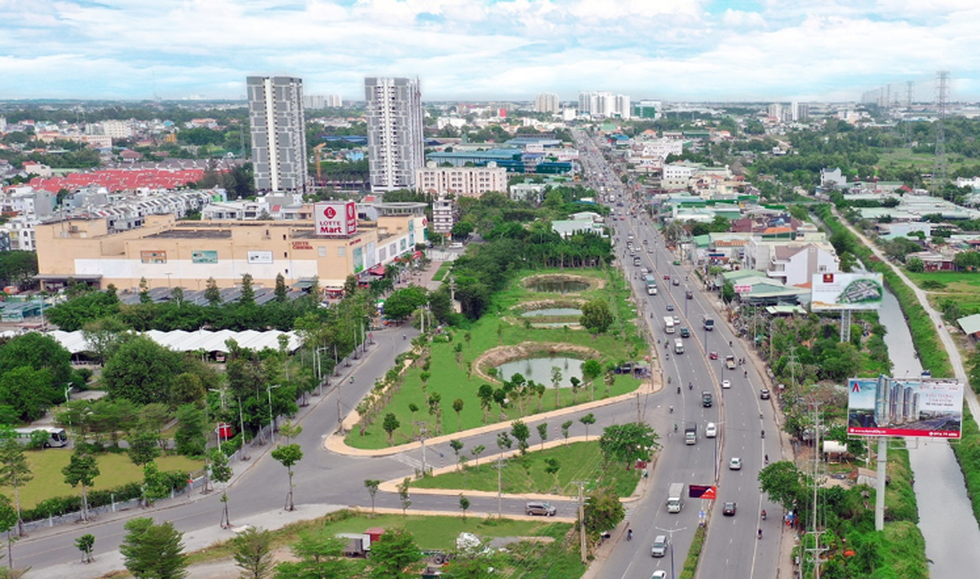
column 143, row 445
column 142, row 371
column 82, row 469
column 104, row 335
column 153, row 551
column 86, row 544
column 8, row 520
column 628, row 442
column 520, row 431
column 591, row 369
column 191, row 437
column 14, row 473
column 252, row 550
column 221, row 473
column 372, row 486
column 288, row 455
column 587, row 420
column 281, row 292
column 603, row 511
column 393, row 554
column 211, row 292
column 247, row 299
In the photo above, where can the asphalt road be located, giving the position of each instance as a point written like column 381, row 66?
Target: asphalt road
column 732, row 548
column 325, row 478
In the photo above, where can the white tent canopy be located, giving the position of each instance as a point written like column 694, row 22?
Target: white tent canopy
column 201, row 340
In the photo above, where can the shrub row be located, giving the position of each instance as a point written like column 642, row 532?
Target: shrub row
column 931, row 353
column 57, row 506
column 691, row 564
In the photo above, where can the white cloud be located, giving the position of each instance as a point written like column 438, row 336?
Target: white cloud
column 486, row 49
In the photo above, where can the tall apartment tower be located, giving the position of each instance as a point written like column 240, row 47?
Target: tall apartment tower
column 394, row 130
column 547, row 102
column 275, row 111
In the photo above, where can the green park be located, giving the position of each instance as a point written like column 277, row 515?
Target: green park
column 449, row 387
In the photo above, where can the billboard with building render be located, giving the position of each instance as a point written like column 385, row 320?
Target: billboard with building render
column 924, row 407
column 846, row 291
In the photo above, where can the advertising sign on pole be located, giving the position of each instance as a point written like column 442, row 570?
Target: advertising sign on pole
column 336, row 218
column 846, row 291
column 923, row 407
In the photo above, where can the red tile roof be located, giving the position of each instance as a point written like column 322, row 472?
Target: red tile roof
column 121, row 179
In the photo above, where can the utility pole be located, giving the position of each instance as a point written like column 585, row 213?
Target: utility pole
column 639, row 418
column 670, row 533
column 500, row 481
column 816, row 550
column 581, row 520
column 422, row 432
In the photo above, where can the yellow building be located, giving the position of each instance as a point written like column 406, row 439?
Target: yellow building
column 171, row 253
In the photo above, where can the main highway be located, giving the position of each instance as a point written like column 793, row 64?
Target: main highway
column 326, row 480
column 733, row 548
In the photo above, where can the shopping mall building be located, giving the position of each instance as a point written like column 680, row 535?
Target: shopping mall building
column 171, row 253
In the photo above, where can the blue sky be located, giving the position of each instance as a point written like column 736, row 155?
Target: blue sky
column 491, row 49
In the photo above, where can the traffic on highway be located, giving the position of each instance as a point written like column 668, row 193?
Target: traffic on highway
column 710, row 416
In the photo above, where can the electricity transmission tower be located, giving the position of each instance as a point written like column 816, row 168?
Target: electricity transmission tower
column 939, row 171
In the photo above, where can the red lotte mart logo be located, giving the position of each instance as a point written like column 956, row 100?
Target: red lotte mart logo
column 330, row 212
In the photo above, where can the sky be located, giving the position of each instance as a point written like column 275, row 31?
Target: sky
column 676, row 50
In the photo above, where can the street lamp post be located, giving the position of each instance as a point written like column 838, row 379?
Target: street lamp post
column 272, row 419
column 67, row 400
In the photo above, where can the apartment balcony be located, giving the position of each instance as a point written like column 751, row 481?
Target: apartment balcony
column 777, row 269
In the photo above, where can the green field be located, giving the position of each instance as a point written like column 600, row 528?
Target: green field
column 578, row 461
column 449, row 377
column 921, row 161
column 116, row 470
column 960, row 287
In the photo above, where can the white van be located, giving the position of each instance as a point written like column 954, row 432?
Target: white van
column 678, row 346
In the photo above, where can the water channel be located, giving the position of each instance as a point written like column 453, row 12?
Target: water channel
column 553, row 312
column 945, row 515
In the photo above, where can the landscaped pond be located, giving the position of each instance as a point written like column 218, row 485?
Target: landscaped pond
column 539, row 369
column 552, row 312
column 561, row 286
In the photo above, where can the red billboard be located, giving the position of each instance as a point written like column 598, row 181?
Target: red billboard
column 336, row 218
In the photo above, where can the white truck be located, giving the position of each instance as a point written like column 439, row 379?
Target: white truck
column 669, row 324
column 675, row 497
column 651, row 284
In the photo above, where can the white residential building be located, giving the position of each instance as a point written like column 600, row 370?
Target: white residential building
column 278, row 130
column 533, row 192
column 792, row 262
column 20, row 232
column 546, row 102
column 335, row 101
column 461, row 181
column 394, row 130
column 659, row 148
column 677, row 177
column 443, row 216
column 117, row 129
column 314, row 101
column 800, row 112
column 604, row 104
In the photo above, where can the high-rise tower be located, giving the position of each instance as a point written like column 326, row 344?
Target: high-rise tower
column 278, row 129
column 394, row 130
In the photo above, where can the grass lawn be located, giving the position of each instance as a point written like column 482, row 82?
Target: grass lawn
column 578, row 461
column 116, row 470
column 442, row 271
column 449, row 377
column 904, row 157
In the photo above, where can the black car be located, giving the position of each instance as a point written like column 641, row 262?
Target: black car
column 729, row 509
column 670, row 307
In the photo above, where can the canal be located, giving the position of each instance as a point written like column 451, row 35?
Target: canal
column 945, row 514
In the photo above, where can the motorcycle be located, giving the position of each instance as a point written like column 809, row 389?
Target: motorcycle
column 629, row 535
column 763, row 434
column 763, row 514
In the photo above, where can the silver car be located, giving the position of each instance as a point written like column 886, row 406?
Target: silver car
column 659, row 548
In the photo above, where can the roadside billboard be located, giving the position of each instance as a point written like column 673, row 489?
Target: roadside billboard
column 924, row 407
column 846, row 291
column 336, row 218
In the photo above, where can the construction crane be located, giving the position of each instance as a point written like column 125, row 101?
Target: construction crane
column 316, row 157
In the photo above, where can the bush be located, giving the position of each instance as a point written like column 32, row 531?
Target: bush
column 57, row 506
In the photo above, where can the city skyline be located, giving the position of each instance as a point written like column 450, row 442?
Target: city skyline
column 721, row 50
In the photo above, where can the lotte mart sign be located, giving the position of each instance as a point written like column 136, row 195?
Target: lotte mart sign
column 336, row 218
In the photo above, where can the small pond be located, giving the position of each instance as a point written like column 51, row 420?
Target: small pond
column 539, row 369
column 552, row 312
column 561, row 286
